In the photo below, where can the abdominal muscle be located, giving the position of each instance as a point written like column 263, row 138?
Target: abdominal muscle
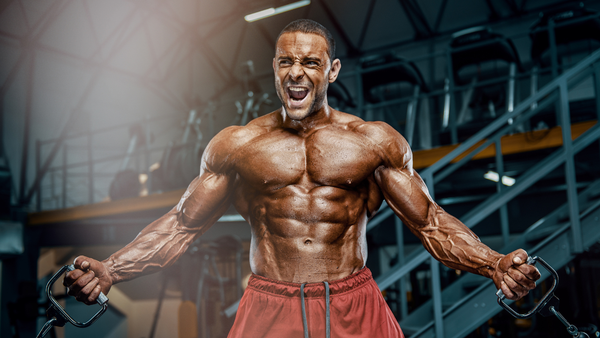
column 306, row 237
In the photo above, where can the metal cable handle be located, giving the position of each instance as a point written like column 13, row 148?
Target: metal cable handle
column 57, row 314
column 548, row 306
column 547, row 297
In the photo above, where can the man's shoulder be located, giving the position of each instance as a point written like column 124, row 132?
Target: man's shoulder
column 222, row 149
column 390, row 144
column 378, row 132
column 234, row 137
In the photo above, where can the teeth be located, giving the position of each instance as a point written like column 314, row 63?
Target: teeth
column 295, row 89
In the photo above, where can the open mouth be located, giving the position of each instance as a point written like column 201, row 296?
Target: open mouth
column 297, row 94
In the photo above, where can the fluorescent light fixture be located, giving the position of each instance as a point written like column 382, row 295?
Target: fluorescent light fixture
column 260, row 15
column 274, row 11
column 493, row 176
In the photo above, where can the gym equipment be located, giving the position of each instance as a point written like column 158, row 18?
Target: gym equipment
column 254, row 100
column 473, row 47
column 383, row 79
column 58, row 316
column 339, row 97
column 126, row 184
column 180, row 162
column 568, row 24
column 560, row 35
column 547, row 306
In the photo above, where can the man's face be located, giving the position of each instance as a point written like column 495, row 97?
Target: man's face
column 303, row 72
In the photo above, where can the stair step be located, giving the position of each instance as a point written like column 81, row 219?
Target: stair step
column 543, row 232
column 409, row 330
column 594, row 195
column 474, row 282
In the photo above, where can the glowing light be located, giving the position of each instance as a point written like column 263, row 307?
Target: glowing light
column 493, row 176
column 260, row 15
column 265, row 13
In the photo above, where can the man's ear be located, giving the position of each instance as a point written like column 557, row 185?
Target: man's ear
column 274, row 64
column 336, row 65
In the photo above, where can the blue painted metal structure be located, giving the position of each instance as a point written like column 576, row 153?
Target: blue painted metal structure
column 562, row 237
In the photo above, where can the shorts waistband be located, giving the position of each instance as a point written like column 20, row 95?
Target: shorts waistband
column 289, row 289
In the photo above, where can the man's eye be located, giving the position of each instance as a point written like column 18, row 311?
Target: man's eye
column 312, row 63
column 285, row 62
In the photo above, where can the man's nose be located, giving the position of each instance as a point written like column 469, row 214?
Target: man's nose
column 296, row 73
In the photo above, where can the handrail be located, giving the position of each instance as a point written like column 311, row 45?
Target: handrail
column 493, row 202
column 523, row 106
column 496, row 200
column 499, row 122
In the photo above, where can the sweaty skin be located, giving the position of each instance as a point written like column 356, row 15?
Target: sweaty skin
column 306, row 178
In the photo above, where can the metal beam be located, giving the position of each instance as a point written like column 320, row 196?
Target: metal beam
column 401, row 43
column 25, row 199
column 209, row 52
column 412, row 21
column 43, row 24
column 238, row 47
column 416, row 10
column 29, row 41
column 27, row 126
column 438, row 19
column 513, row 6
column 365, row 26
column 352, row 50
column 88, row 15
column 265, row 33
column 22, row 8
column 494, row 13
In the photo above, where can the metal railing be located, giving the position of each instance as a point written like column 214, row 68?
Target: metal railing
column 450, row 92
column 555, row 92
column 56, row 178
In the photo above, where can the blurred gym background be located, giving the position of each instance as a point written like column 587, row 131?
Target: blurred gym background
column 106, row 107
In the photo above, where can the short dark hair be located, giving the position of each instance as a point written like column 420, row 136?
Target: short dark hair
column 311, row 27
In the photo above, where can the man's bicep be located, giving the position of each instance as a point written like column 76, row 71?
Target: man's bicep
column 206, row 198
column 406, row 193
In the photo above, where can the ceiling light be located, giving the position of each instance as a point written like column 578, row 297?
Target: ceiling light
column 274, row 11
column 493, row 176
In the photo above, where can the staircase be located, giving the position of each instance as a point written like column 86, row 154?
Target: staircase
column 558, row 237
column 470, row 301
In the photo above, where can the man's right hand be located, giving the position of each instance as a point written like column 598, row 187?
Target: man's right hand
column 89, row 278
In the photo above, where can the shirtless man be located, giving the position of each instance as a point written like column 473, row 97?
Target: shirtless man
column 307, row 178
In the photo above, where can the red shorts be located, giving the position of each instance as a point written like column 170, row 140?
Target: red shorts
column 273, row 309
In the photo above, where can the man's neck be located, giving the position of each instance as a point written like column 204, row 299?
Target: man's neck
column 316, row 120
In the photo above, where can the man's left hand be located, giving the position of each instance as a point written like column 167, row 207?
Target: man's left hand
column 514, row 276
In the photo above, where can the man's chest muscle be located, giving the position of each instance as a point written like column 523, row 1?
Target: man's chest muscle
column 327, row 157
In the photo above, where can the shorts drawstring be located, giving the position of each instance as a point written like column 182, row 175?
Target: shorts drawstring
column 327, row 322
column 327, row 317
column 304, row 324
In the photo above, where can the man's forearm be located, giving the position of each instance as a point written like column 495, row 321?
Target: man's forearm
column 158, row 246
column 456, row 246
column 444, row 236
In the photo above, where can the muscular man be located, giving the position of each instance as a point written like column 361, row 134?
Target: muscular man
column 307, row 178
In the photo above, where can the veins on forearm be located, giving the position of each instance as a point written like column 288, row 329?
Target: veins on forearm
column 457, row 247
column 156, row 247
